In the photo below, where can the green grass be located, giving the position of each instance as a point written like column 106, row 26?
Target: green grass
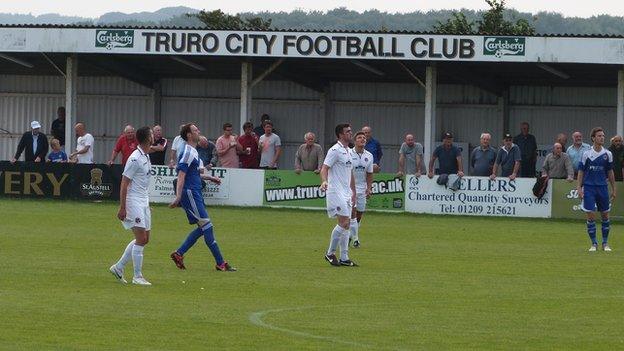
column 424, row 282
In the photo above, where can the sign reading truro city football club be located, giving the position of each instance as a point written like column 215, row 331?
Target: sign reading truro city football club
column 477, row 196
column 379, row 46
column 161, row 184
column 285, row 188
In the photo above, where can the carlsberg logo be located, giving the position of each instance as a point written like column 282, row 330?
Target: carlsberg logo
column 503, row 46
column 111, row 39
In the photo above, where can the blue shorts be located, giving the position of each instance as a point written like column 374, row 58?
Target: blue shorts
column 596, row 196
column 192, row 202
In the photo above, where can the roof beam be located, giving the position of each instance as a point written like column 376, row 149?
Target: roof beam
column 125, row 70
column 16, row 60
column 368, row 67
column 481, row 81
column 553, row 70
column 412, row 74
column 268, row 71
column 189, row 63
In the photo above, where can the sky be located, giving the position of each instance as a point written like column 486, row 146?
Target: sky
column 92, row 9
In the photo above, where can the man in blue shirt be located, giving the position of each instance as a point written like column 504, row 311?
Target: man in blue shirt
column 189, row 196
column 508, row 159
column 483, row 157
column 374, row 147
column 595, row 167
column 576, row 150
column 448, row 156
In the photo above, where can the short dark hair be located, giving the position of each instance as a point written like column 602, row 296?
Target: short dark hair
column 143, row 133
column 340, row 128
column 359, row 133
column 227, row 125
column 247, row 125
column 185, row 130
column 594, row 131
column 264, row 117
column 267, row 122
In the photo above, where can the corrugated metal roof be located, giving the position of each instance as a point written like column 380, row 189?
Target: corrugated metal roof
column 90, row 26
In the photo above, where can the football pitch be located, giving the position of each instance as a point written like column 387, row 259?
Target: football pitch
column 424, row 282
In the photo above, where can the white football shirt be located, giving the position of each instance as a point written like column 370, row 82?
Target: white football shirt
column 81, row 143
column 138, row 169
column 362, row 164
column 340, row 165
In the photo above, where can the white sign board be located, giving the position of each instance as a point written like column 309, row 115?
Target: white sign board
column 161, row 184
column 477, row 196
column 340, row 45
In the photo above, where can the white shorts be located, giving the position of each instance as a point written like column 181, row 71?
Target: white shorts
column 360, row 202
column 137, row 216
column 338, row 205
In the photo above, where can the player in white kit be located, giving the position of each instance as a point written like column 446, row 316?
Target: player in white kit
column 134, row 211
column 363, row 173
column 339, row 185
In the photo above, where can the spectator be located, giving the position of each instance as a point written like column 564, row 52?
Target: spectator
column 84, row 145
column 483, row 157
column 374, row 147
column 259, row 130
column 617, row 149
column 508, row 159
column 528, row 151
column 158, row 149
column 58, row 126
column 250, row 156
column 448, row 156
column 309, row 156
column 562, row 138
column 410, row 157
column 227, row 148
column 34, row 144
column 270, row 147
column 177, row 144
column 207, row 152
column 57, row 154
column 576, row 150
column 126, row 144
column 557, row 164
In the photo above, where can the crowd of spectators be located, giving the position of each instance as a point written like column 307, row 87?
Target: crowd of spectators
column 261, row 148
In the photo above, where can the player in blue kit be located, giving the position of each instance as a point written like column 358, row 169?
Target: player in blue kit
column 189, row 196
column 595, row 167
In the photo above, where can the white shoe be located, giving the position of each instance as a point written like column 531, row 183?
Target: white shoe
column 140, row 281
column 118, row 273
column 593, row 248
column 606, row 248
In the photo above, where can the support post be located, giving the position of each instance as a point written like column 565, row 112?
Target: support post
column 245, row 96
column 71, row 101
column 324, row 108
column 503, row 108
column 157, row 102
column 620, row 103
column 431, row 86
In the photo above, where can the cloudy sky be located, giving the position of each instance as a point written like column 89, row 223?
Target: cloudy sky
column 84, row 8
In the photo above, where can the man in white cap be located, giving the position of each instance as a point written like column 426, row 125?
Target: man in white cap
column 33, row 143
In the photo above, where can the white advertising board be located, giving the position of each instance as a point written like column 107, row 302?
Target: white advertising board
column 161, row 184
column 477, row 196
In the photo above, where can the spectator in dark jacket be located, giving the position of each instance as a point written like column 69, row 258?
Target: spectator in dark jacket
column 34, row 144
column 528, row 151
column 617, row 149
column 58, row 126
